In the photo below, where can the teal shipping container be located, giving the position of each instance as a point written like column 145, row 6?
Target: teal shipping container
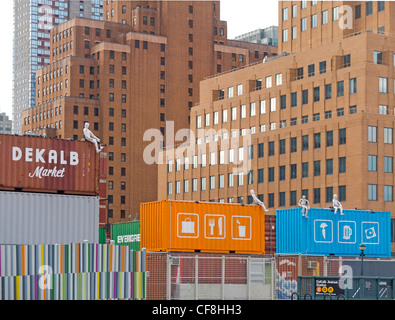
column 326, row 233
column 127, row 234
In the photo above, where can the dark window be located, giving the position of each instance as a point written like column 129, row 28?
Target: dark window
column 260, row 150
column 282, row 146
column 271, row 174
column 294, row 171
column 329, row 194
column 342, row 193
column 328, row 91
column 260, row 175
column 283, row 101
column 316, row 94
column 86, row 111
column 342, row 165
column 329, row 166
column 75, row 110
column 342, row 136
column 305, row 169
column 294, row 146
column 340, row 88
column 112, row 54
column 75, row 124
column 271, row 148
column 294, row 99
column 329, row 138
column 311, row 70
column 380, row 6
column 369, row 8
column 317, row 168
column 322, row 67
column 293, row 199
column 305, row 143
column 305, row 96
column 317, row 195
column 271, row 200
column 145, row 45
column 281, row 200
column 305, row 193
column 299, row 73
column 357, row 9
column 281, row 173
column 137, row 44
column 87, row 31
column 317, row 140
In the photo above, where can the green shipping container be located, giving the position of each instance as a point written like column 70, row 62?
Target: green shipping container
column 102, row 236
column 127, row 234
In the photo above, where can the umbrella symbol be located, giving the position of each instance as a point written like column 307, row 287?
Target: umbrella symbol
column 323, row 226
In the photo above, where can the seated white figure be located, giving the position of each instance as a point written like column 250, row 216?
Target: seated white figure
column 304, row 203
column 337, row 205
column 257, row 201
column 89, row 136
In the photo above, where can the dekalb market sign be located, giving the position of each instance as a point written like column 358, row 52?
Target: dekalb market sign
column 48, row 165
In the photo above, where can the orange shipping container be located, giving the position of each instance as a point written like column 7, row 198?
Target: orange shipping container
column 34, row 164
column 182, row 226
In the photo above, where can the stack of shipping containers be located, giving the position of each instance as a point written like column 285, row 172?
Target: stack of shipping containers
column 49, row 191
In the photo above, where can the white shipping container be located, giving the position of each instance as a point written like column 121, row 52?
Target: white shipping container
column 35, row 218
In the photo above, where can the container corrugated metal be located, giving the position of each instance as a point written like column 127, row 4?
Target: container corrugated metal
column 182, row 226
column 48, row 165
column 30, row 218
column 325, row 233
column 102, row 236
column 127, row 234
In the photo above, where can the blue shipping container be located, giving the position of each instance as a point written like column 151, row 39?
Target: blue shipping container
column 325, row 233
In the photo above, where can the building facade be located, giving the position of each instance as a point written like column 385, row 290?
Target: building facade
column 316, row 122
column 5, row 124
column 134, row 74
column 33, row 20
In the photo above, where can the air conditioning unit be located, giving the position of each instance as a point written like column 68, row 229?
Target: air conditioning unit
column 312, row 264
column 175, row 261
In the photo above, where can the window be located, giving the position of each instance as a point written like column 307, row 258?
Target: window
column 377, row 57
column 271, row 148
column 169, row 188
column 212, row 182
column 282, row 146
column 294, row 32
column 314, row 21
column 305, row 169
column 271, row 200
column 335, row 13
column 293, row 171
column 380, row 6
column 239, row 89
column 268, row 81
column 260, row 175
column 279, row 79
column 329, row 194
column 383, row 85
column 329, row 166
column 328, row 91
column 271, row 174
column 340, row 112
column 353, row 85
column 294, row 11
column 372, row 163
column 285, row 35
column 388, row 193
column 342, row 136
column 342, row 193
column 203, row 184
column 230, row 180
column 311, row 70
column 281, row 199
column 305, row 96
column 346, row 60
column 388, row 164
column 372, row 134
column 317, row 168
column 357, row 10
column 372, row 192
column 260, row 150
column 325, row 17
column 305, row 142
column 383, row 109
column 317, row 195
column 340, row 88
column 316, row 93
column 369, row 8
column 294, row 98
column 388, row 135
column 304, row 24
column 322, row 67
column 240, row 180
column 342, row 164
column 285, row 14
column 317, row 140
column 272, row 104
column 281, row 173
column 294, row 145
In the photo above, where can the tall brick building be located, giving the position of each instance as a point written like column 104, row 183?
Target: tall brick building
column 317, row 120
column 134, row 71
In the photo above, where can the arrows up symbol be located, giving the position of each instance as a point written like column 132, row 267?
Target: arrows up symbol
column 323, row 226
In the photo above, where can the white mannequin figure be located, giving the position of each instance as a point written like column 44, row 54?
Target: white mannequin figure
column 257, row 201
column 337, row 205
column 89, row 136
column 304, row 203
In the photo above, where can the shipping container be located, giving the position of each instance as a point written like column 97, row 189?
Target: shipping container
column 35, row 218
column 127, row 234
column 326, row 233
column 34, row 164
column 102, row 236
column 183, row 226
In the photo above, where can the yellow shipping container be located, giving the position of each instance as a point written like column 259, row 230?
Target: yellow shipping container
column 184, row 226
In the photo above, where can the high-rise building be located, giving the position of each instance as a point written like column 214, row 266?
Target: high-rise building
column 268, row 36
column 134, row 77
column 317, row 120
column 33, row 20
column 5, row 124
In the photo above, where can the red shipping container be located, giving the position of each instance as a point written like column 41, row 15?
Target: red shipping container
column 34, row 164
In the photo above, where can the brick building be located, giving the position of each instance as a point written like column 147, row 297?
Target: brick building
column 317, row 120
column 134, row 71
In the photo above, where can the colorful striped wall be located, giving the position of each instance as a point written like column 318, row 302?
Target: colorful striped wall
column 71, row 272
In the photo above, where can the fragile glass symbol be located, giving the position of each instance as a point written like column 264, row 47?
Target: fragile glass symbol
column 188, row 226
